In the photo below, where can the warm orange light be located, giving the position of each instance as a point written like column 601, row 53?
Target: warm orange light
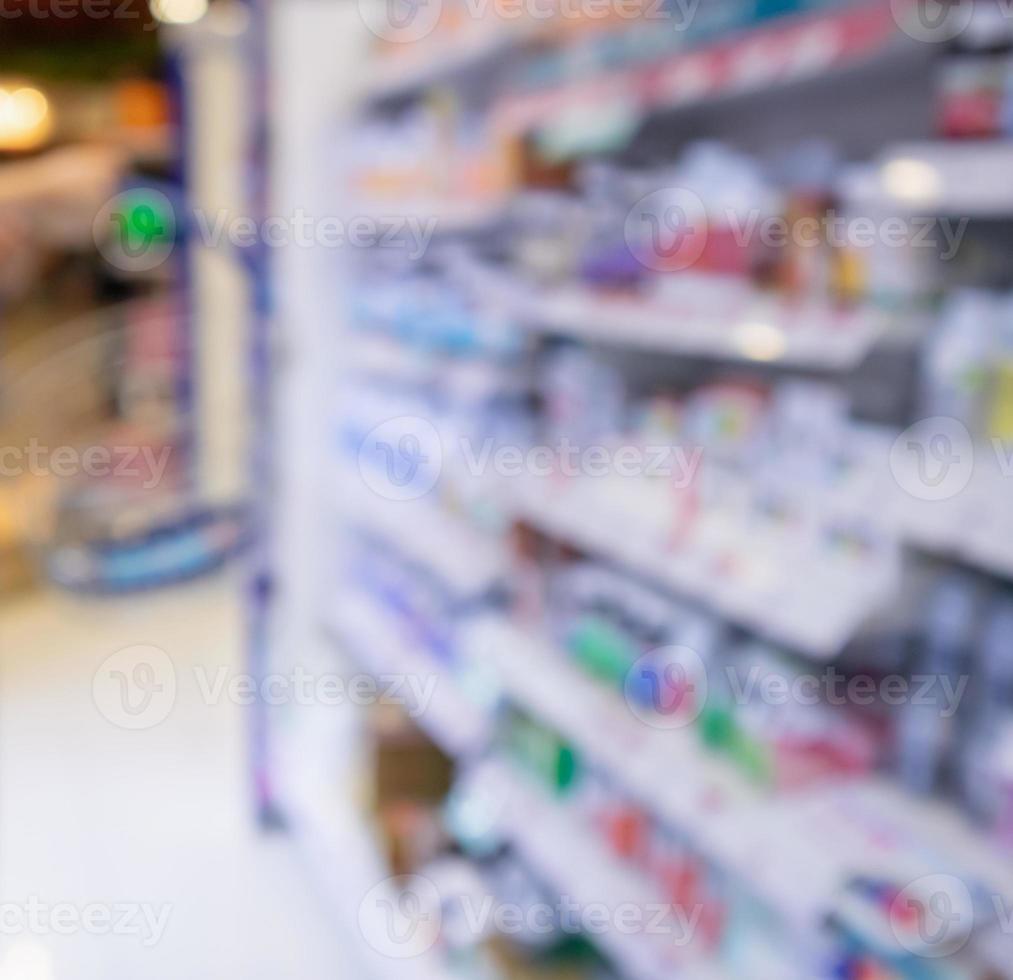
column 179, row 11
column 26, row 120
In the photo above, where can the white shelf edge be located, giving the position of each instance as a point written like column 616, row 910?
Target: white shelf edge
column 580, row 868
column 821, row 640
column 580, row 314
column 451, row 720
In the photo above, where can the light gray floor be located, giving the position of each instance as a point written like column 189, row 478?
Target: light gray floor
column 95, row 816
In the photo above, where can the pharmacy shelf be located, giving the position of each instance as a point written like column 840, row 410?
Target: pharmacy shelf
column 468, row 560
column 774, row 844
column 771, row 53
column 551, row 838
column 605, row 731
column 969, row 179
column 344, row 860
column 368, row 633
column 446, row 215
column 780, row 849
column 812, row 605
column 973, row 526
column 543, row 831
column 472, row 49
column 775, row 53
column 397, row 75
column 705, row 798
column 970, row 544
column 769, row 843
column 378, row 354
column 749, row 330
column 342, row 854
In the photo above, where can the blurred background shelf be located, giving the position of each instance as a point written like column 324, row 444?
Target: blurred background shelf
column 602, row 726
column 365, row 630
column 541, row 314
column 818, row 339
column 816, row 611
column 764, row 57
column 969, row 179
column 556, row 845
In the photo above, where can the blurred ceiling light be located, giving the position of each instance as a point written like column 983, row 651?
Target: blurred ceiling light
column 178, row 11
column 25, row 118
column 913, row 181
column 760, row 341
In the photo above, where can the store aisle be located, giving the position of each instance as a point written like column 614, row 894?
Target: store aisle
column 96, row 818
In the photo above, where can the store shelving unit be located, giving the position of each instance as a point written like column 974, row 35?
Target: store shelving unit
column 455, row 723
column 817, row 614
column 773, row 847
column 765, row 58
column 760, row 840
column 967, row 179
column 341, row 854
column 819, row 340
column 553, row 840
